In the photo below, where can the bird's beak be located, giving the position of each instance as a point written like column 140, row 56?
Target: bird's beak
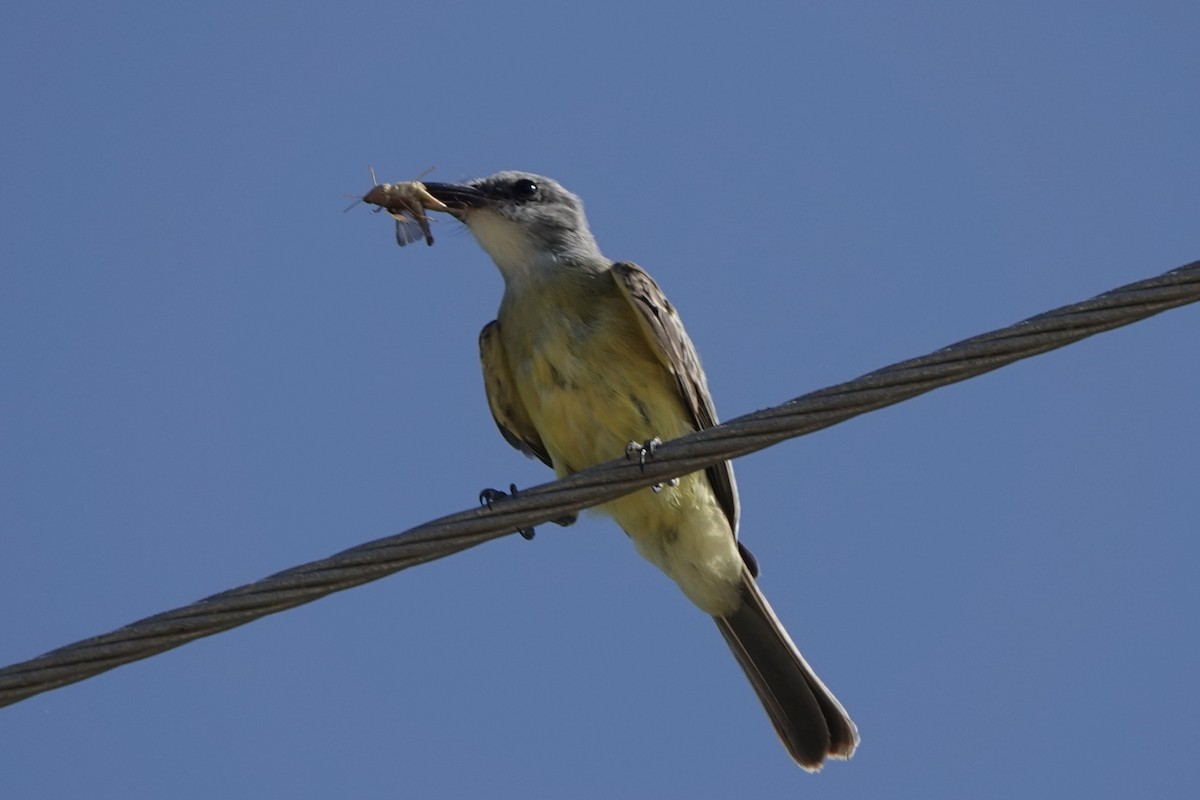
column 459, row 197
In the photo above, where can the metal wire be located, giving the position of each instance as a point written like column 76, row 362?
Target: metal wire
column 451, row 534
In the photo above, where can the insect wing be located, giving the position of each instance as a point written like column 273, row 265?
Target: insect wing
column 408, row 231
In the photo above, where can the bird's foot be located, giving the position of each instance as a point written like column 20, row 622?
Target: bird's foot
column 488, row 497
column 643, row 452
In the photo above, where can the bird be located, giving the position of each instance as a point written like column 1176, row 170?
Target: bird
column 587, row 358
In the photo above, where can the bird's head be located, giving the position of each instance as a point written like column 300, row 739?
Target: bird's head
column 525, row 222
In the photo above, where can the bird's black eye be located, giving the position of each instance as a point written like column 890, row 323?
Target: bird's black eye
column 524, row 189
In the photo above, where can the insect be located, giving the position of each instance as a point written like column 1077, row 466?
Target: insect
column 406, row 202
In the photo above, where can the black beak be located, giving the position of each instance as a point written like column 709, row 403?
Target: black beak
column 458, row 196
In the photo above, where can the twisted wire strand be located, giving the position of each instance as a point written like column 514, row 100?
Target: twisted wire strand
column 451, row 534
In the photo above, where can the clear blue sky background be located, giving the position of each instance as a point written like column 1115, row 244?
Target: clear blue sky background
column 210, row 373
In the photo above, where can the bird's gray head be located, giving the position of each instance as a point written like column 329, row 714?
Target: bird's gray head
column 526, row 223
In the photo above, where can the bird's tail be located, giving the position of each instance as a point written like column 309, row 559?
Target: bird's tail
column 808, row 718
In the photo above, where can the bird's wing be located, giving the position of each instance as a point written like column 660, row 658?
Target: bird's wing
column 507, row 408
column 670, row 341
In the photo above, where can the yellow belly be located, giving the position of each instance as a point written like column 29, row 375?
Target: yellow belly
column 592, row 386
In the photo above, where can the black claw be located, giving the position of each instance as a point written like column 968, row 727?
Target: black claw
column 644, row 451
column 565, row 520
column 488, row 497
column 658, row 487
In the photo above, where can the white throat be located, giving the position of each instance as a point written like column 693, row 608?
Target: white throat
column 517, row 254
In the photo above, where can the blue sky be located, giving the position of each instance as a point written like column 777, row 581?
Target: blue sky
column 211, row 373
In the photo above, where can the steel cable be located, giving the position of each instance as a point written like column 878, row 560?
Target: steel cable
column 746, row 434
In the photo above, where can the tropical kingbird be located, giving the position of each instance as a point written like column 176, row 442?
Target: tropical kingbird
column 586, row 356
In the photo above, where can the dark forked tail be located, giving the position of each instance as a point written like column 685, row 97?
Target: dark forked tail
column 810, row 721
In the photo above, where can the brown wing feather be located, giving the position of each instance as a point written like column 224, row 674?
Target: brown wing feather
column 507, row 409
column 670, row 341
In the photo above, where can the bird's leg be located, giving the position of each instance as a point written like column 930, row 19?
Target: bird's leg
column 490, row 496
column 643, row 452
